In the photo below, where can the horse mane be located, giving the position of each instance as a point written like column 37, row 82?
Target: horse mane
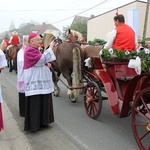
column 47, row 38
column 77, row 34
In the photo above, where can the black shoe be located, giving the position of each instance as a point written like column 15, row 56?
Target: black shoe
column 34, row 130
column 44, row 126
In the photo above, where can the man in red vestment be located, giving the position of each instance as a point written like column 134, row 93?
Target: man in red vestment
column 14, row 39
column 6, row 41
column 123, row 37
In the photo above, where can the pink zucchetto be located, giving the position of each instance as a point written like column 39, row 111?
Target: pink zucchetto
column 32, row 35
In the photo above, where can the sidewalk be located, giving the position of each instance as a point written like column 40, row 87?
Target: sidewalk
column 11, row 138
column 14, row 138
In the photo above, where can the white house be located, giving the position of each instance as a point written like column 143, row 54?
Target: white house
column 100, row 26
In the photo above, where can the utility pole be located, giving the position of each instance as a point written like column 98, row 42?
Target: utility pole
column 146, row 19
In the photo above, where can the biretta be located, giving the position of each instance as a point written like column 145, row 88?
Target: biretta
column 32, row 35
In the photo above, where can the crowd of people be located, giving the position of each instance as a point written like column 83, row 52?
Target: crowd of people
column 34, row 77
column 34, row 81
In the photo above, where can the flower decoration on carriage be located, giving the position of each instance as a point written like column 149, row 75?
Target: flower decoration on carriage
column 147, row 51
column 127, row 52
column 126, row 55
column 88, row 62
column 111, row 51
column 111, row 54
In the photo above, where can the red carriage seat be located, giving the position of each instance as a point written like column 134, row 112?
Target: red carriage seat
column 119, row 70
column 120, row 74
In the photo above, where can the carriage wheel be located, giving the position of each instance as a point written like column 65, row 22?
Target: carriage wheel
column 92, row 100
column 141, row 119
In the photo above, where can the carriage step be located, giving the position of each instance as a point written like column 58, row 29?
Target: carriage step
column 124, row 78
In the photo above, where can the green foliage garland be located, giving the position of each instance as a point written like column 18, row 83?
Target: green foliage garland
column 114, row 54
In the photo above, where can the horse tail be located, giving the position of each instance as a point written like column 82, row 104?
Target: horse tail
column 80, row 66
column 76, row 75
column 77, row 62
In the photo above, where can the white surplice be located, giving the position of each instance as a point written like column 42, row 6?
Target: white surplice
column 38, row 78
column 3, row 64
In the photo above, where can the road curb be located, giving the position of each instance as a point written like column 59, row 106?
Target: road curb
column 11, row 138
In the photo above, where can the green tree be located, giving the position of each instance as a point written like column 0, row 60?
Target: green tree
column 65, row 29
column 97, row 42
column 80, row 26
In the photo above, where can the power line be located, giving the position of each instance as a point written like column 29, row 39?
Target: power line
column 81, row 12
column 64, row 10
column 42, row 10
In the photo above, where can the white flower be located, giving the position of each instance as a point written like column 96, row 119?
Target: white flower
column 127, row 52
column 87, row 62
column 138, row 50
column 111, row 51
column 147, row 51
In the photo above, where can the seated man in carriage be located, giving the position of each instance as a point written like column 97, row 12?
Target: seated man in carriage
column 122, row 37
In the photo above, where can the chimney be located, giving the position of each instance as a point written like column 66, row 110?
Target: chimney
column 92, row 16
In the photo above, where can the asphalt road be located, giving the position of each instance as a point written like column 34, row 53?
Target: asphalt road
column 73, row 129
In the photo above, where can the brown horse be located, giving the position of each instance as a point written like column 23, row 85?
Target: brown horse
column 88, row 50
column 11, row 55
column 47, row 38
column 65, row 58
column 64, row 63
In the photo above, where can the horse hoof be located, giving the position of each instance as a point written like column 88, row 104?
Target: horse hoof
column 73, row 98
column 56, row 93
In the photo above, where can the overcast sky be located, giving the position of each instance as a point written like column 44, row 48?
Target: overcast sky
column 59, row 13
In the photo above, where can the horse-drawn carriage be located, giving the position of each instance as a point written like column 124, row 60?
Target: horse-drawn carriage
column 127, row 93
